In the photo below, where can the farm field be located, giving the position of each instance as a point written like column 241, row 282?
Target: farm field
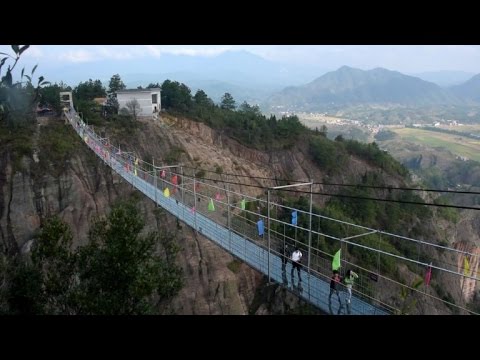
column 457, row 145
column 475, row 129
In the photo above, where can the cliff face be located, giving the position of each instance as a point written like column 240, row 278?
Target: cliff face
column 82, row 187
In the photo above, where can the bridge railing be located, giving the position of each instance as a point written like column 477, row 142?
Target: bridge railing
column 193, row 196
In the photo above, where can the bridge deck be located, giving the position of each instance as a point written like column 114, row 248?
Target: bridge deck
column 312, row 288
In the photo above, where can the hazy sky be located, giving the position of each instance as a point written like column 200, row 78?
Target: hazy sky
column 403, row 58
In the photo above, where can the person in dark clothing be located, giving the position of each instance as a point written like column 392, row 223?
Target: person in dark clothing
column 335, row 281
column 285, row 254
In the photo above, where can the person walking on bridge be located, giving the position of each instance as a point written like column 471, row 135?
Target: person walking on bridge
column 335, row 281
column 349, row 279
column 296, row 258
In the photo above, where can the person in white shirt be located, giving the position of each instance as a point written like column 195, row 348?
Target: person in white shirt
column 349, row 279
column 296, row 258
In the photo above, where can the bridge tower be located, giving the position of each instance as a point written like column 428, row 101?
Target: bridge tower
column 66, row 99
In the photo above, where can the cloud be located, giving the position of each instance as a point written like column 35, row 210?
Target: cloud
column 404, row 58
column 153, row 50
column 189, row 50
column 116, row 52
column 77, row 56
column 34, row 51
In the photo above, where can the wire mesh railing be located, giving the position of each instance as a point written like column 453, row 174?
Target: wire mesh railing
column 220, row 213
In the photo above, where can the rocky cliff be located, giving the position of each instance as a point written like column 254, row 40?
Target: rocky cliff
column 80, row 187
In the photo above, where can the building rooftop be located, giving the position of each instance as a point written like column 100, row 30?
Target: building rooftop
column 138, row 90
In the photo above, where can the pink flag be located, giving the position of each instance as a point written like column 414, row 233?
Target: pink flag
column 162, row 174
column 218, row 196
column 192, row 210
column 428, row 275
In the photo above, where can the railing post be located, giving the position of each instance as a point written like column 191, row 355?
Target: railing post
column 310, row 236
column 268, row 224
column 194, row 201
column 183, row 193
column 229, row 218
column 155, row 181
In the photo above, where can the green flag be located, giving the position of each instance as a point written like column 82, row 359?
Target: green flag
column 336, row 261
column 242, row 204
column 211, row 207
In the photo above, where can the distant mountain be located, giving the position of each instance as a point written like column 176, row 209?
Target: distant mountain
column 215, row 89
column 445, row 78
column 469, row 90
column 246, row 76
column 237, row 67
column 350, row 86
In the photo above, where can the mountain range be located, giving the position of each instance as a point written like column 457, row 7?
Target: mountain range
column 445, row 78
column 349, row 86
column 245, row 75
column 273, row 84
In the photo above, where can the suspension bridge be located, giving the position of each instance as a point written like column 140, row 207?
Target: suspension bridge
column 219, row 213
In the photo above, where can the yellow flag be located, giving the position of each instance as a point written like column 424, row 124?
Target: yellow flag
column 466, row 266
column 166, row 192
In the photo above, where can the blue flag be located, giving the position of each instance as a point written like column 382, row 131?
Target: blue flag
column 260, row 227
column 294, row 218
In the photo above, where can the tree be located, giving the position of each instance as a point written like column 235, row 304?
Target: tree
column 18, row 99
column 175, row 95
column 53, row 258
column 134, row 108
column 119, row 270
column 50, row 96
column 250, row 110
column 89, row 90
column 115, row 84
column 154, row 86
column 228, row 102
column 201, row 99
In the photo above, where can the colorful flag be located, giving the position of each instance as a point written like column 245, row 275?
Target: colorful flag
column 294, row 218
column 242, row 204
column 466, row 266
column 192, row 210
column 336, row 260
column 428, row 275
column 218, row 197
column 174, row 180
column 211, row 207
column 162, row 174
column 166, row 192
column 260, row 227
column 136, row 161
